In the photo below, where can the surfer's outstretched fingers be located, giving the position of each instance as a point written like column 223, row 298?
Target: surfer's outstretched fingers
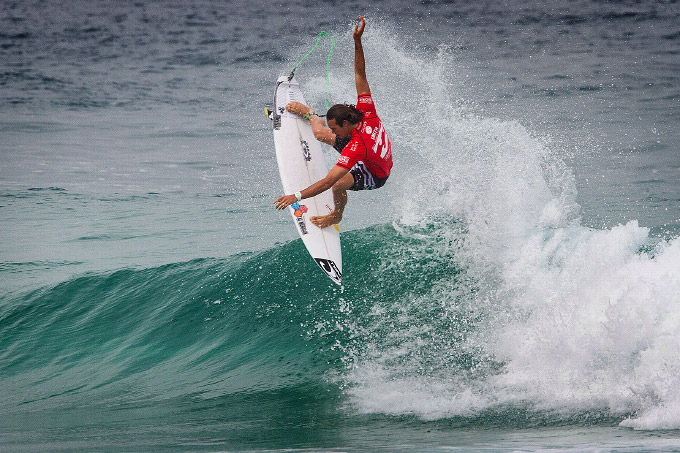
column 284, row 201
column 359, row 28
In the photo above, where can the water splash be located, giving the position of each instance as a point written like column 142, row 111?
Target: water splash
column 542, row 314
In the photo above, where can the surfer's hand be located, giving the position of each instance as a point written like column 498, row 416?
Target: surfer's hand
column 285, row 201
column 298, row 108
column 359, row 29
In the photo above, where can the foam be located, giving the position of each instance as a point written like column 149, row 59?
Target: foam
column 596, row 322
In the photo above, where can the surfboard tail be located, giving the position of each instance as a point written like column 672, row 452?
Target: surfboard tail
column 331, row 269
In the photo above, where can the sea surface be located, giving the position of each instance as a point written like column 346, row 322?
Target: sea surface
column 515, row 286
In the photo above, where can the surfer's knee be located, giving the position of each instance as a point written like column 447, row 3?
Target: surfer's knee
column 337, row 188
column 344, row 184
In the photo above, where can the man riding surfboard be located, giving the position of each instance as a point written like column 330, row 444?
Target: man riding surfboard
column 358, row 134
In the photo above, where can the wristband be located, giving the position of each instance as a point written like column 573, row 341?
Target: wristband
column 309, row 114
column 298, row 195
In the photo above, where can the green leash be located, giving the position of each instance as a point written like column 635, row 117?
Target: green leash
column 328, row 65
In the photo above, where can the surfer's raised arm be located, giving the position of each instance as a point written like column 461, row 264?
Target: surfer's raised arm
column 359, row 61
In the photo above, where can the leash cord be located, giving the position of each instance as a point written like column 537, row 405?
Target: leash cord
column 328, row 64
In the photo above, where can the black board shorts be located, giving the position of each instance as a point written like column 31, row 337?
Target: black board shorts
column 364, row 179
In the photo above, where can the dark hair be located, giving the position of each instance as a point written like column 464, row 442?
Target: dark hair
column 344, row 112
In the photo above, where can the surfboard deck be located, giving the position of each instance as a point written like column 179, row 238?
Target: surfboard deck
column 301, row 163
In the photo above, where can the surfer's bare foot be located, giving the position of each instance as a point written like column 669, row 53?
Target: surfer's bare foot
column 326, row 220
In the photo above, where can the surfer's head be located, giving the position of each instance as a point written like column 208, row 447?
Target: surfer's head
column 342, row 118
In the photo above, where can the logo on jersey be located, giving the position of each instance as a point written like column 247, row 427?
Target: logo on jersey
column 368, row 100
column 298, row 212
column 343, row 160
column 382, row 144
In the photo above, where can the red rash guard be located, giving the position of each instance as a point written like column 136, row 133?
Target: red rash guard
column 369, row 142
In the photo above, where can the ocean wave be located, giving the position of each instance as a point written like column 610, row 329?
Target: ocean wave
column 580, row 328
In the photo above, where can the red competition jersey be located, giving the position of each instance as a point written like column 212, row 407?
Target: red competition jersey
column 369, row 142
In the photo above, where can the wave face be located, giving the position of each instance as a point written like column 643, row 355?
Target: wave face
column 200, row 328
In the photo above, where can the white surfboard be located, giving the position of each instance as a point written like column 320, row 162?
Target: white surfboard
column 301, row 164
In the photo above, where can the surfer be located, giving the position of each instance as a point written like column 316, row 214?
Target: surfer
column 357, row 134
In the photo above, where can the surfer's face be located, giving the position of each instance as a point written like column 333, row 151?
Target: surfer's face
column 341, row 131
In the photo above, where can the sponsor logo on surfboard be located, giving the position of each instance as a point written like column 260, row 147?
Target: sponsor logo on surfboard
column 330, row 268
column 305, row 150
column 299, row 211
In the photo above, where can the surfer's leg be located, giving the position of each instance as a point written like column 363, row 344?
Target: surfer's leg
column 339, row 200
column 340, row 194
